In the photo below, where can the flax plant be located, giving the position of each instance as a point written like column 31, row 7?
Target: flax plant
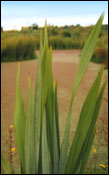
column 37, row 130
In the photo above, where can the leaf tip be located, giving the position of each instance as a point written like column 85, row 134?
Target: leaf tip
column 102, row 15
column 45, row 22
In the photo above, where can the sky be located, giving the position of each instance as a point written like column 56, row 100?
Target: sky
column 15, row 14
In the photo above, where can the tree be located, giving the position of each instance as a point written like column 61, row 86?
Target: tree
column 78, row 25
column 54, row 31
column 66, row 33
column 34, row 26
column 104, row 27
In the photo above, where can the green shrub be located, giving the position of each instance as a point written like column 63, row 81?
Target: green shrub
column 66, row 34
column 54, row 31
column 75, row 35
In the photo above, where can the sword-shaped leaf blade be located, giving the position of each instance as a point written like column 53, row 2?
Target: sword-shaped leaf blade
column 84, row 61
column 56, row 151
column 92, row 126
column 19, row 122
column 83, row 124
column 29, row 133
column 46, row 168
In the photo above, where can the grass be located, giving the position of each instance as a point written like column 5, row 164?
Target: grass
column 17, row 49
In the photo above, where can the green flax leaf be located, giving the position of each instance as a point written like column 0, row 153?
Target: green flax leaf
column 49, row 121
column 57, row 119
column 37, row 112
column 42, row 86
column 29, row 133
column 85, row 156
column 56, row 143
column 64, row 147
column 45, row 151
column 19, row 122
column 92, row 125
column 87, row 52
column 84, row 61
column 83, row 124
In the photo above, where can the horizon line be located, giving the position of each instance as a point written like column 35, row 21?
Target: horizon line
column 15, row 29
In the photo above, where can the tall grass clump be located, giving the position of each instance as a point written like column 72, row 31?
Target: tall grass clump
column 59, row 42
column 37, row 130
column 17, row 48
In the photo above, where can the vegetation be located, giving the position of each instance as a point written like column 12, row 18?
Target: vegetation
column 100, row 55
column 33, row 27
column 17, row 48
column 37, row 130
column 1, row 29
column 67, row 37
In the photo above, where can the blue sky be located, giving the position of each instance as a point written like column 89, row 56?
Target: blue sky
column 15, row 14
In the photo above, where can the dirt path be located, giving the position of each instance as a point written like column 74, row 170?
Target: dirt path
column 65, row 56
column 64, row 70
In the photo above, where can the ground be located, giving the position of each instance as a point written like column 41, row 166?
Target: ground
column 65, row 65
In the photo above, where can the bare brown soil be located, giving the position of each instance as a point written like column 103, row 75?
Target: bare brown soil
column 65, row 65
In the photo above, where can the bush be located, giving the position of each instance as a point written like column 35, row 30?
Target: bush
column 54, row 31
column 66, row 34
column 100, row 56
column 14, row 48
column 75, row 35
